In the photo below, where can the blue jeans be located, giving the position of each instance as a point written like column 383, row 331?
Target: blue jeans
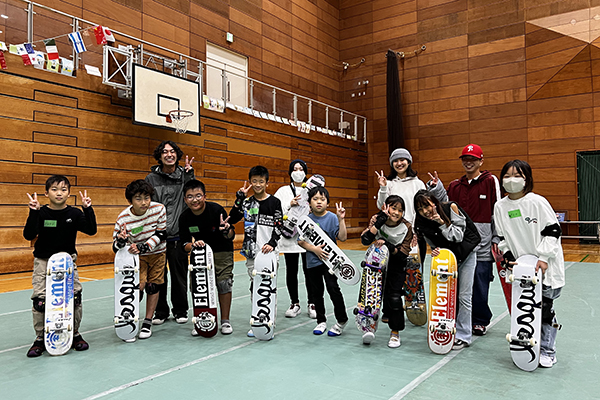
column 548, row 336
column 482, row 315
column 466, row 272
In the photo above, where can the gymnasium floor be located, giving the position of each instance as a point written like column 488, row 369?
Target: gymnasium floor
column 296, row 364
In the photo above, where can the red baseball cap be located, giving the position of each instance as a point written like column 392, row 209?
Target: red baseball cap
column 472, row 150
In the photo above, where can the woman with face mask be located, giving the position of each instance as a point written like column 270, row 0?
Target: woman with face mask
column 289, row 196
column 526, row 224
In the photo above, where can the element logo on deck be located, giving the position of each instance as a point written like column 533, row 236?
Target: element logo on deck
column 441, row 338
column 205, row 321
column 347, row 272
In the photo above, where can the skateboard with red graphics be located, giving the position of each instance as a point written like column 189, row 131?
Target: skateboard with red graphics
column 203, row 288
column 414, row 297
column 503, row 274
column 442, row 302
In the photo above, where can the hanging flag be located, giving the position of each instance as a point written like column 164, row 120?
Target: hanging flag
column 52, row 65
column 13, row 49
column 3, row 46
column 51, row 49
column 2, row 60
column 30, row 53
column 22, row 51
column 39, row 59
column 99, row 32
column 108, row 34
column 77, row 41
column 67, row 67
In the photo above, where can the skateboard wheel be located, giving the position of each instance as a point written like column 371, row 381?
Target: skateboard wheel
column 69, row 328
column 253, row 272
column 116, row 270
column 270, row 324
column 433, row 272
column 116, row 320
column 48, row 272
column 532, row 342
column 375, row 317
column 508, row 338
column 190, row 267
column 136, row 270
column 251, row 321
column 431, row 328
column 331, row 271
column 534, row 280
column 455, row 274
column 355, row 311
column 47, row 329
column 194, row 319
column 272, row 275
column 363, row 264
column 209, row 267
column 454, row 331
column 70, row 270
column 511, row 278
column 285, row 217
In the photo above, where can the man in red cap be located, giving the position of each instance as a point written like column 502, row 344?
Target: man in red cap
column 477, row 192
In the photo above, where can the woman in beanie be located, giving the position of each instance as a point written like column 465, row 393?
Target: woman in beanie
column 289, row 196
column 403, row 181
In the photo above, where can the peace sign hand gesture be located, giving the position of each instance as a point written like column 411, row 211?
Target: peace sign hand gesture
column 381, row 179
column 85, row 200
column 434, row 178
column 340, row 211
column 245, row 189
column 188, row 163
column 223, row 224
column 34, row 204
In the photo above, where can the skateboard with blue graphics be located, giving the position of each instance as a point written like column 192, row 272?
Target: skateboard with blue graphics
column 526, row 313
column 127, row 294
column 264, row 295
column 290, row 220
column 368, row 309
column 59, row 317
column 442, row 302
column 203, row 288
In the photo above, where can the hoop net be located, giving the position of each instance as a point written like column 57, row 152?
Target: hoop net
column 179, row 119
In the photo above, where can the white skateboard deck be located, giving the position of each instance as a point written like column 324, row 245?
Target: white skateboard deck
column 264, row 295
column 59, row 317
column 127, row 294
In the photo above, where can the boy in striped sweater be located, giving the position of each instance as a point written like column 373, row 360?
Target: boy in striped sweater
column 143, row 225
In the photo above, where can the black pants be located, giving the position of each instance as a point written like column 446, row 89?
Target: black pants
column 291, row 277
column 320, row 278
column 481, row 314
column 393, row 279
column 177, row 260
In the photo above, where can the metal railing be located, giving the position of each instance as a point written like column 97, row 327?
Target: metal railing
column 279, row 104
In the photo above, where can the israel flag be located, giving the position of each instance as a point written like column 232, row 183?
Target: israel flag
column 77, row 41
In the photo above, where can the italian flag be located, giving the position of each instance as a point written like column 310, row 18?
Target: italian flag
column 51, row 49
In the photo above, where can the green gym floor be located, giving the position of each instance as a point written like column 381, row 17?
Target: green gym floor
column 297, row 364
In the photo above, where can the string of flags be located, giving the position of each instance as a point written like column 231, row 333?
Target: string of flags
column 51, row 60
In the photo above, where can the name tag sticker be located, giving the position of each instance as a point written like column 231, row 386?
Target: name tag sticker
column 482, row 196
column 137, row 230
column 194, row 229
column 49, row 223
column 514, row 214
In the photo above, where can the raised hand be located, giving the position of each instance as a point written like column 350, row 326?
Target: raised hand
column 122, row 233
column 245, row 189
column 434, row 178
column 34, row 204
column 385, row 208
column 188, row 163
column 381, row 179
column 340, row 210
column 294, row 201
column 85, row 200
column 223, row 224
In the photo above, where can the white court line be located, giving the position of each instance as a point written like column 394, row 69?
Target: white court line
column 191, row 363
column 421, row 378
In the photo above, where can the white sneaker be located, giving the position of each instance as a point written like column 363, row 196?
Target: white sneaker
column 182, row 319
column 312, row 312
column 293, row 311
column 336, row 330
column 320, row 328
column 394, row 341
column 250, row 333
column 547, row 361
column 145, row 333
column 158, row 321
column 129, row 340
column 368, row 337
column 226, row 329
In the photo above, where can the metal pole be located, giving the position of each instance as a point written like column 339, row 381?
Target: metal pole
column 327, row 118
column 274, row 102
column 310, row 112
column 364, row 130
column 223, row 86
column 295, row 108
column 75, row 56
column 341, row 121
column 355, row 127
column 30, row 22
column 201, row 79
column 252, row 95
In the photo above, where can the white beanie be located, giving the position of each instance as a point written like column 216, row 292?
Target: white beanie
column 400, row 153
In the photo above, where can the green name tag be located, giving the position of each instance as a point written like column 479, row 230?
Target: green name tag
column 514, row 214
column 194, row 229
column 253, row 211
column 49, row 223
column 137, row 230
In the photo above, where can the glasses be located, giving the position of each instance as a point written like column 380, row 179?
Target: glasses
column 197, row 197
column 169, row 151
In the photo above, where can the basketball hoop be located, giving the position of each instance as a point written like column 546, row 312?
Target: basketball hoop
column 179, row 119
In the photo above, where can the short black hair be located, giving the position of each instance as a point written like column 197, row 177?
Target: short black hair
column 56, row 179
column 522, row 168
column 395, row 199
column 138, row 186
column 159, row 149
column 318, row 190
column 194, row 184
column 259, row 171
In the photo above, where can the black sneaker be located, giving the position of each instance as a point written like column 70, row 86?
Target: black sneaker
column 479, row 330
column 37, row 349
column 79, row 344
column 459, row 344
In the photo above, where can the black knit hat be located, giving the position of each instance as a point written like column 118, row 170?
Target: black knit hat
column 293, row 163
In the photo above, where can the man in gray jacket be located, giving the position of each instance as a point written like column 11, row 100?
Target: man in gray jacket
column 167, row 178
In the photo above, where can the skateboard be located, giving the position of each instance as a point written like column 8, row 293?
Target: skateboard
column 414, row 297
column 338, row 263
column 442, row 302
column 290, row 220
column 503, row 274
column 203, row 287
column 264, row 295
column 59, row 317
column 371, row 289
column 526, row 316
column 127, row 294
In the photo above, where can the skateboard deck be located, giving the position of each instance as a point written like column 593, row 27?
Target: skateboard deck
column 338, row 263
column 127, row 294
column 526, row 316
column 290, row 220
column 59, row 317
column 414, row 297
column 203, row 286
column 442, row 302
column 503, row 274
column 368, row 309
column 264, row 295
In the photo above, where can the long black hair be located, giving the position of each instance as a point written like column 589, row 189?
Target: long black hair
column 424, row 198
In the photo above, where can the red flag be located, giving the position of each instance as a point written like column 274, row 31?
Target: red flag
column 99, row 32
column 2, row 60
column 108, row 34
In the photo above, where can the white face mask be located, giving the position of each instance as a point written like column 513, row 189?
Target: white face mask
column 514, row 184
column 298, row 176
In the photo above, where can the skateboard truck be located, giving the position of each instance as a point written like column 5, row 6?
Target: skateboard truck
column 443, row 274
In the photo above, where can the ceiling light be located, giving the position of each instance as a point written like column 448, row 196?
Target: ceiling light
column 4, row 16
